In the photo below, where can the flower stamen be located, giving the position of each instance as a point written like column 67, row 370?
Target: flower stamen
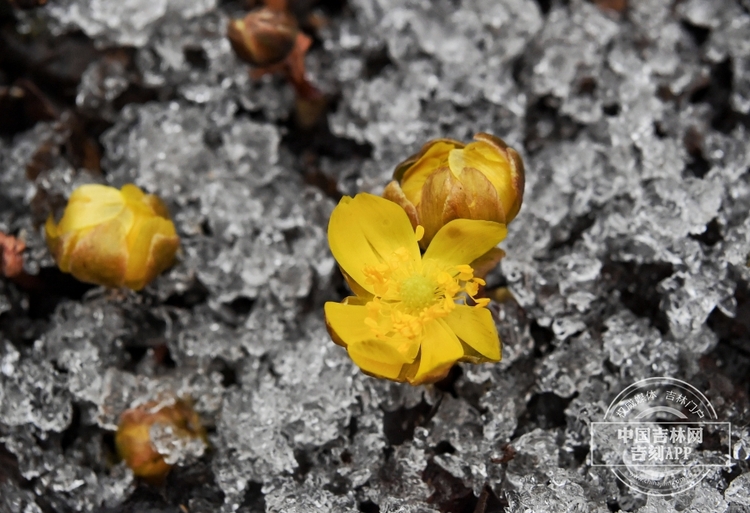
column 407, row 296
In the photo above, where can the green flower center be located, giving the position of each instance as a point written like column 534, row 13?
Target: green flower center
column 418, row 292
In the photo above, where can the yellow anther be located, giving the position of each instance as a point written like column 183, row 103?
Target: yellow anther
column 419, row 232
column 403, row 254
column 444, row 278
column 407, row 298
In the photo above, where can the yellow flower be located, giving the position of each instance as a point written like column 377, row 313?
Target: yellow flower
column 113, row 237
column 409, row 320
column 450, row 180
column 133, row 437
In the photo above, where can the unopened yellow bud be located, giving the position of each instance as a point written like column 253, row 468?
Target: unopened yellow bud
column 449, row 180
column 133, row 437
column 264, row 37
column 115, row 238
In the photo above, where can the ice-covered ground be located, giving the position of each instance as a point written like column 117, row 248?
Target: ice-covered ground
column 629, row 258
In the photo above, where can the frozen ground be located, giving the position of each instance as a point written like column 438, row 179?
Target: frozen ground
column 628, row 260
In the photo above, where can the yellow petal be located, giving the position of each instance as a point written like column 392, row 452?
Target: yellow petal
column 406, row 165
column 463, row 240
column 365, row 230
column 62, row 248
column 100, row 256
column 355, row 287
column 479, row 200
column 446, row 197
column 346, row 323
column 518, row 181
column 393, row 192
column 50, row 228
column 475, row 327
column 163, row 250
column 484, row 157
column 132, row 192
column 440, row 350
column 432, row 209
column 377, row 358
column 143, row 204
column 433, row 158
column 495, row 165
column 90, row 205
column 148, row 254
column 52, row 235
column 157, row 205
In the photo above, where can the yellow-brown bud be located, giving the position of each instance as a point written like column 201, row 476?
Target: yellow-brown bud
column 264, row 37
column 115, row 238
column 449, row 180
column 133, row 437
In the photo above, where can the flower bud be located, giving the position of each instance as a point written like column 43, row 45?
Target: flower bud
column 449, row 180
column 113, row 237
column 11, row 256
column 133, row 437
column 264, row 37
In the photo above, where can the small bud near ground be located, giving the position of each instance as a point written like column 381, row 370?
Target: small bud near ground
column 264, row 37
column 269, row 39
column 133, row 437
column 111, row 237
column 11, row 256
column 11, row 263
